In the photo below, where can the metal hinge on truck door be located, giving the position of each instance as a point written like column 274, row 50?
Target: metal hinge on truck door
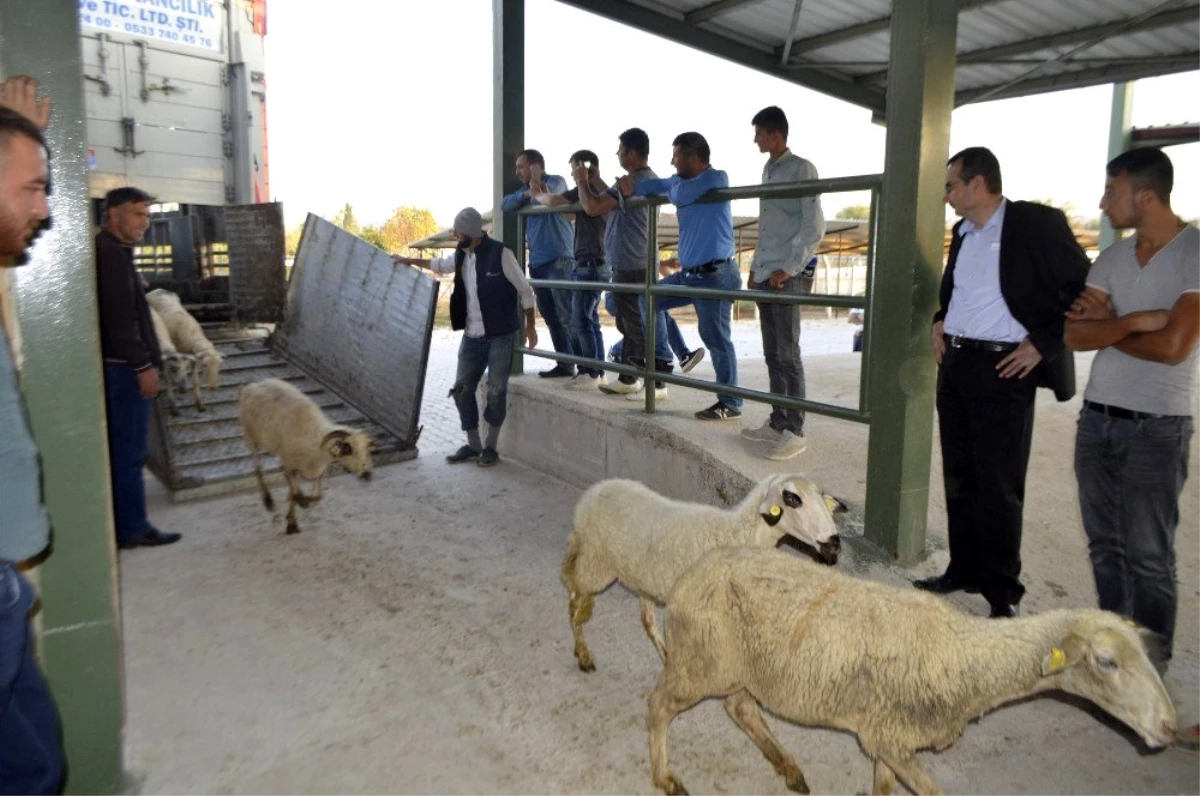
column 127, row 126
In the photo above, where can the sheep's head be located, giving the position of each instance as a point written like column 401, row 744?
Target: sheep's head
column 793, row 505
column 350, row 449
column 212, row 367
column 179, row 368
column 1104, row 658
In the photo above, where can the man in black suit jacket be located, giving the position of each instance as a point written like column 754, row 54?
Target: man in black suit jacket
column 1013, row 271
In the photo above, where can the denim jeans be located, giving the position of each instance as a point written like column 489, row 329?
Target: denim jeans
column 713, row 317
column 31, row 753
column 128, row 446
column 474, row 355
column 585, row 319
column 1130, row 475
column 555, row 305
column 780, row 325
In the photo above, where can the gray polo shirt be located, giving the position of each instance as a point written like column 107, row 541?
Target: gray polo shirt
column 1119, row 379
column 627, row 236
column 24, row 526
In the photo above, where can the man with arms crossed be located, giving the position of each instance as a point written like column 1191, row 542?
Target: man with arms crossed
column 1141, row 311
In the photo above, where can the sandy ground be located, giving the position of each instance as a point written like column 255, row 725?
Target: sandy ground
column 413, row 639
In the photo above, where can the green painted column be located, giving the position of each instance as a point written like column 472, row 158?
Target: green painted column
column 508, row 124
column 920, row 97
column 81, row 643
column 1118, row 141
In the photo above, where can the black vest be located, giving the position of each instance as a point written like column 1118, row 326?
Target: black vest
column 498, row 300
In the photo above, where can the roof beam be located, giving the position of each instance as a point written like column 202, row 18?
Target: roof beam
column 1075, row 79
column 765, row 60
column 787, row 45
column 1162, row 19
column 714, row 10
column 865, row 29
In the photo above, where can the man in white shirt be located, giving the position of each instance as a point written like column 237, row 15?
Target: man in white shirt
column 488, row 287
column 788, row 233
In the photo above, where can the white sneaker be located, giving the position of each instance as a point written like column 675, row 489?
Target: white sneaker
column 789, row 446
column 621, row 388
column 583, row 382
column 763, row 433
column 660, row 394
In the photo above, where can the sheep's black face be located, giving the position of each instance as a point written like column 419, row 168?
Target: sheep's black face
column 830, row 550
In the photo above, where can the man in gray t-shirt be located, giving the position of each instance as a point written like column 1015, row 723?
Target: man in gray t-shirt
column 1141, row 312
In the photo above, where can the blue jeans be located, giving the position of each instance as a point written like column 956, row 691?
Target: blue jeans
column 31, row 752
column 714, row 318
column 1130, row 475
column 780, row 325
column 128, row 447
column 585, row 319
column 668, row 339
column 555, row 305
column 474, row 355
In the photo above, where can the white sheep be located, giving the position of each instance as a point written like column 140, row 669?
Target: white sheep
column 902, row 670
column 186, row 333
column 179, row 370
column 625, row 531
column 280, row 419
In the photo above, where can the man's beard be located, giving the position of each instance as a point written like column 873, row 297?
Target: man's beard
column 15, row 237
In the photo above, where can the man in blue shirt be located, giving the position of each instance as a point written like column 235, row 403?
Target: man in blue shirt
column 31, row 753
column 705, row 256
column 551, row 247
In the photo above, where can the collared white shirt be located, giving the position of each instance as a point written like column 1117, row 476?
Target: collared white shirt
column 789, row 230
column 445, row 265
column 977, row 307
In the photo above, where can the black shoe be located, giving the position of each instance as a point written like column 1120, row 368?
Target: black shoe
column 557, row 372
column 488, row 457
column 691, row 360
column 151, row 538
column 1004, row 611
column 718, row 411
column 463, row 454
column 946, row 583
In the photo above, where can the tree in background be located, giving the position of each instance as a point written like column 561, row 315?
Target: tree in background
column 291, row 240
column 854, row 212
column 407, row 225
column 345, row 219
column 374, row 236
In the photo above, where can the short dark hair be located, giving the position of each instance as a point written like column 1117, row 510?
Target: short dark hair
column 979, row 161
column 772, row 119
column 13, row 123
column 1148, row 169
column 585, row 155
column 693, row 143
column 532, row 156
column 635, row 139
column 124, row 196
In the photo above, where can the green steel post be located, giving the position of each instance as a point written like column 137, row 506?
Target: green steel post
column 909, row 257
column 1118, row 142
column 648, row 321
column 81, row 642
column 508, row 119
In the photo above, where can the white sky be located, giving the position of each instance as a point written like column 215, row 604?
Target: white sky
column 384, row 104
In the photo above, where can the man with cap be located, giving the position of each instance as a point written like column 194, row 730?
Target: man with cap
column 132, row 361
column 485, row 308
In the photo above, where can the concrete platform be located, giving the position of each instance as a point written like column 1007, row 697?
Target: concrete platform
column 414, row 638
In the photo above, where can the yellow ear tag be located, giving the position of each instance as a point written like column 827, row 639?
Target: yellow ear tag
column 1131, row 623
column 1058, row 659
column 776, row 511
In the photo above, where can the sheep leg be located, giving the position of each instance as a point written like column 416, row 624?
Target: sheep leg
column 650, row 622
column 580, row 609
column 743, row 709
column 292, row 526
column 268, row 501
column 885, row 778
column 309, row 500
column 200, row 407
column 910, row 771
column 666, row 702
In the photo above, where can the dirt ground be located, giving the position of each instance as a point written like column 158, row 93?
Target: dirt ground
column 414, row 639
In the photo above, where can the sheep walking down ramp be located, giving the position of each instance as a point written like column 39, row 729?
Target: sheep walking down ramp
column 280, row 419
column 902, row 670
column 626, row 532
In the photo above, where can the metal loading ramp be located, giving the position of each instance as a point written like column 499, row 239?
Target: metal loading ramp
column 360, row 355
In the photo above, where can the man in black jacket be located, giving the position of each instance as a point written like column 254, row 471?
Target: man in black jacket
column 131, row 363
column 1013, row 271
column 490, row 295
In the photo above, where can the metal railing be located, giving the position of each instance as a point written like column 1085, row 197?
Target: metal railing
column 651, row 289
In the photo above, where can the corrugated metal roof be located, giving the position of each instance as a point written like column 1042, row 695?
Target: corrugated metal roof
column 1006, row 48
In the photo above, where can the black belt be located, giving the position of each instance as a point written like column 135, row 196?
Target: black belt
column 954, row 341
column 1123, row 414
column 709, row 267
column 595, row 262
